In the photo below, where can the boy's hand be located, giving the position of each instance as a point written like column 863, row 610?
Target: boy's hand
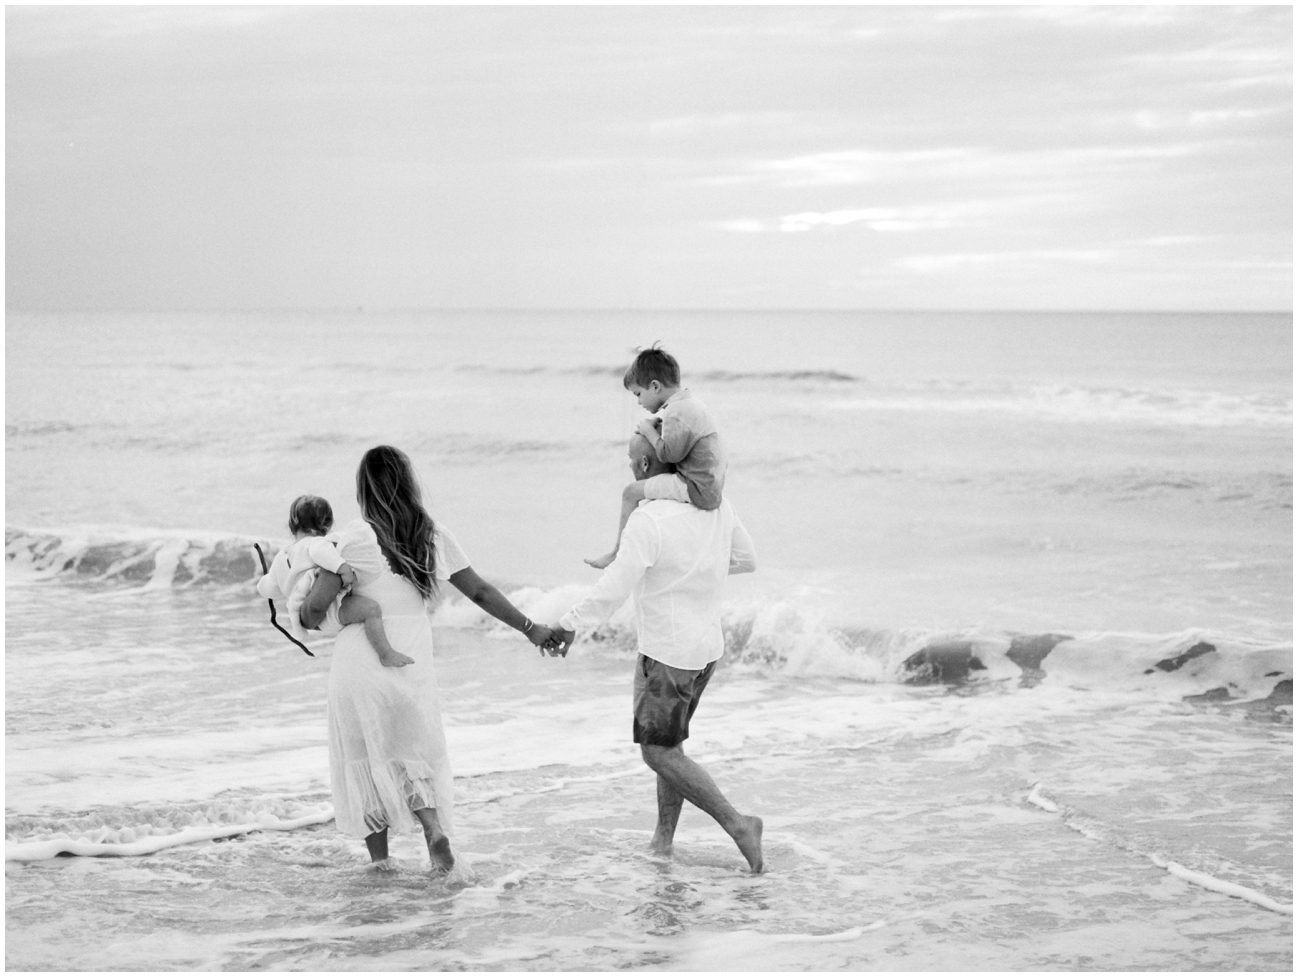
column 650, row 426
column 348, row 574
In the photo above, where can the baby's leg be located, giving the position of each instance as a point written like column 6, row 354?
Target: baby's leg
column 356, row 609
column 632, row 496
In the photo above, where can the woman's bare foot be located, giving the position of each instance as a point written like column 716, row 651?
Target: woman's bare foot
column 749, row 840
column 600, row 562
column 439, row 853
column 395, row 660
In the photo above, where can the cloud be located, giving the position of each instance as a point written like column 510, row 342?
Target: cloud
column 735, row 151
column 954, row 165
column 1108, row 17
column 48, row 30
column 839, row 167
column 743, row 225
column 689, row 125
column 1175, row 240
column 881, row 219
column 928, row 264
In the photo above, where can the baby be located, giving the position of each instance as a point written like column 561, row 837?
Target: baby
column 683, row 434
column 295, row 568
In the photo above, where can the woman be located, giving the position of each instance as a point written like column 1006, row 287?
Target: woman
column 387, row 754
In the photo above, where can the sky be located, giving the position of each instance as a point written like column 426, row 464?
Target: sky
column 648, row 157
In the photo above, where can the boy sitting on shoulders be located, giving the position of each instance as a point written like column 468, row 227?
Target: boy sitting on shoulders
column 682, row 434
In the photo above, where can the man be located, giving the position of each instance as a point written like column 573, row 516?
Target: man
column 672, row 561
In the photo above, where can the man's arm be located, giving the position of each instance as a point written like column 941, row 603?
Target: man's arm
column 636, row 553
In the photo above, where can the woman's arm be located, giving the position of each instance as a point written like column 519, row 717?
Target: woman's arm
column 496, row 604
column 317, row 602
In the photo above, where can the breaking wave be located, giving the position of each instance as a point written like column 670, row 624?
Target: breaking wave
column 781, row 636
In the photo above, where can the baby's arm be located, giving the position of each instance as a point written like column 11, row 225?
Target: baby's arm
column 356, row 609
column 267, row 587
column 324, row 554
column 326, row 557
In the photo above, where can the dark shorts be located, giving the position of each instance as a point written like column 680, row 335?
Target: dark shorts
column 665, row 699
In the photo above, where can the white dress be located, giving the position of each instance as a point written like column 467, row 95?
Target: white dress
column 387, row 751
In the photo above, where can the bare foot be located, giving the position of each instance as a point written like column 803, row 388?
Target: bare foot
column 661, row 846
column 600, row 562
column 439, row 851
column 395, row 660
column 383, row 865
column 749, row 840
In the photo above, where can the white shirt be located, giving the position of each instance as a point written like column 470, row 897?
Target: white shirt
column 672, row 560
column 359, row 545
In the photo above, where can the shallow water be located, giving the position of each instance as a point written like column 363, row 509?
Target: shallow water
column 1011, row 690
column 981, row 826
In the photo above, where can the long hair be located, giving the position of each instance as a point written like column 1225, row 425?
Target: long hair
column 390, row 501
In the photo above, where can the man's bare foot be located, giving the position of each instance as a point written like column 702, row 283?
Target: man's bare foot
column 395, row 660
column 439, row 852
column 749, row 840
column 661, row 846
column 600, row 562
column 383, row 865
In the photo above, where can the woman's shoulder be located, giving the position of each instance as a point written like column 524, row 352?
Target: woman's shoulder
column 355, row 538
column 451, row 557
column 356, row 528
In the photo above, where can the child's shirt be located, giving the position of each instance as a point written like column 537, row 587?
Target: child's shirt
column 688, row 439
column 290, row 577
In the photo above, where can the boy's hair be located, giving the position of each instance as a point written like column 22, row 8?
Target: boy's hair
column 310, row 514
column 652, row 364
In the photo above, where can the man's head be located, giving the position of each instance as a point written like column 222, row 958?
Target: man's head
column 644, row 460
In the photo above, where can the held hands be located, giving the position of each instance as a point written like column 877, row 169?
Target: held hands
column 548, row 639
column 348, row 575
column 560, row 641
column 551, row 639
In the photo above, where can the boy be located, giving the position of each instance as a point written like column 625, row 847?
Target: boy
column 294, row 570
column 684, row 435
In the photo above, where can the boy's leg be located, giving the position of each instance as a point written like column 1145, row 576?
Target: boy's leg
column 632, row 496
column 356, row 609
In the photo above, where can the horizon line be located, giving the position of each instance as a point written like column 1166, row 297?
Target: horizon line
column 652, row 310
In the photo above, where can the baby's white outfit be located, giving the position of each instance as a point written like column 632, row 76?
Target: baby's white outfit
column 291, row 575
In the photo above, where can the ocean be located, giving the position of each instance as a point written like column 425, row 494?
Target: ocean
column 1011, row 688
